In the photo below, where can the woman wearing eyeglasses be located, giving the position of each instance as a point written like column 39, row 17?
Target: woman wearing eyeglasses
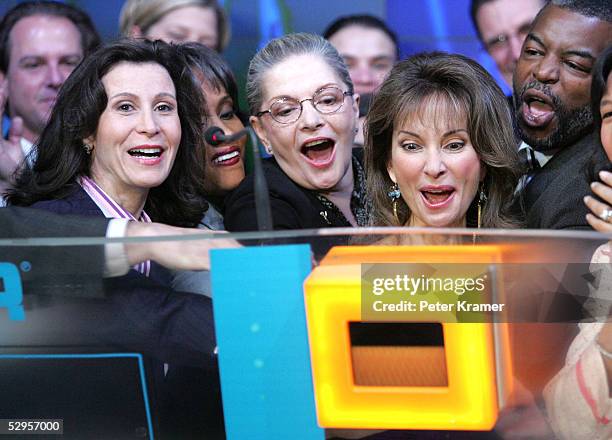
column 305, row 113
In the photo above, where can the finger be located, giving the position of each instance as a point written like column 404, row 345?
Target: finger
column 15, row 130
column 606, row 177
column 596, row 207
column 603, row 191
column 598, row 224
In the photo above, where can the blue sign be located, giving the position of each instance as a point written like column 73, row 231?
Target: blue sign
column 11, row 291
column 264, row 359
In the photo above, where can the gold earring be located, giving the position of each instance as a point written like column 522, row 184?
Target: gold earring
column 482, row 199
column 394, row 194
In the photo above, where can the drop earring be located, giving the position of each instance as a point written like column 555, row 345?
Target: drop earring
column 482, row 199
column 394, row 194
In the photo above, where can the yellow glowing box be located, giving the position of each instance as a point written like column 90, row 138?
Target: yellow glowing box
column 457, row 386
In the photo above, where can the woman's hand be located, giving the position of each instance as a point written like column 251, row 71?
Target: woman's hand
column 175, row 248
column 601, row 217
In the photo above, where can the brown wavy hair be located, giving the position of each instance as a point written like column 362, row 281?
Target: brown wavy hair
column 469, row 90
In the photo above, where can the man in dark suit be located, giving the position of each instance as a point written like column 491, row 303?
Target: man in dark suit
column 128, row 312
column 552, row 84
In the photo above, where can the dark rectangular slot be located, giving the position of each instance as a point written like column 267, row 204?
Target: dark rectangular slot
column 401, row 354
column 413, row 334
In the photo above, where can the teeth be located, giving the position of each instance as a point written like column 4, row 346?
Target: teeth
column 225, row 157
column 146, row 150
column 313, row 143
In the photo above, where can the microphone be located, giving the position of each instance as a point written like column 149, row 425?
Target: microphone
column 216, row 136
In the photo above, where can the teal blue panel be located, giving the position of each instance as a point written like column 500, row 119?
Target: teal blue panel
column 264, row 359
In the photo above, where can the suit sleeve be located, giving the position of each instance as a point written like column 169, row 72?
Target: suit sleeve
column 55, row 269
column 29, row 223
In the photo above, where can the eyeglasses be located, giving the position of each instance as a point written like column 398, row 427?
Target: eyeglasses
column 288, row 110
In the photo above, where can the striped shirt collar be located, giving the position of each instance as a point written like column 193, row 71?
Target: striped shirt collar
column 112, row 209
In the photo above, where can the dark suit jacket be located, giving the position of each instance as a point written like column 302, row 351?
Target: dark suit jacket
column 79, row 203
column 134, row 313
column 146, row 307
column 18, row 222
column 292, row 206
column 52, row 268
column 553, row 197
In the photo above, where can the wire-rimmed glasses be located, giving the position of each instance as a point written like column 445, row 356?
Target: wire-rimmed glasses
column 287, row 110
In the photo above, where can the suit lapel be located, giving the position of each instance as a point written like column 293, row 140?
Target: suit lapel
column 557, row 170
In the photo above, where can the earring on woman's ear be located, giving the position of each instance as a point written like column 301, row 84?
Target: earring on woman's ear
column 394, row 194
column 88, row 148
column 482, row 199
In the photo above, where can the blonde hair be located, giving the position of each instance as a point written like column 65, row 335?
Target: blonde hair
column 145, row 13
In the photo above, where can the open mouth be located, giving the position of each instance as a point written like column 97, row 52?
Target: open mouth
column 145, row 153
column 319, row 152
column 226, row 157
column 437, row 197
column 538, row 109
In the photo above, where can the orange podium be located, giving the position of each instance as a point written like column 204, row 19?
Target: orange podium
column 410, row 366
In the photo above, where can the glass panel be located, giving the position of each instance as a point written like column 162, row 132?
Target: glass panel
column 55, row 302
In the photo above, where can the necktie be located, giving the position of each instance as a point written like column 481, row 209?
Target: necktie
column 528, row 159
